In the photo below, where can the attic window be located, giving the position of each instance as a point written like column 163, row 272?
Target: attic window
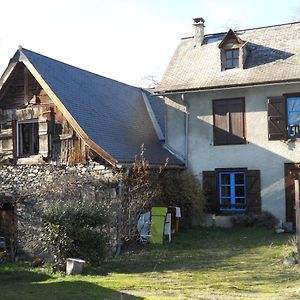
column 231, row 58
column 233, row 51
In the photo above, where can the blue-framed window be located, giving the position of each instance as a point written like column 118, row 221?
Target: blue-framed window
column 293, row 117
column 232, row 191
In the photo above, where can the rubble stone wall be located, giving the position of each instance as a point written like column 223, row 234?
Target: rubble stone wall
column 33, row 187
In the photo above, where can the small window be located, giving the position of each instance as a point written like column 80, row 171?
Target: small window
column 231, row 58
column 293, row 117
column 232, row 191
column 28, row 138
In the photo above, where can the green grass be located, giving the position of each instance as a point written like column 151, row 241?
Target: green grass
column 198, row 264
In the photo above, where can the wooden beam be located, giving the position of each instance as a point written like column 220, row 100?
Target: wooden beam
column 26, row 87
column 4, row 78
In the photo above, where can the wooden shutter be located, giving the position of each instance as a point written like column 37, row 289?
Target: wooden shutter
column 210, row 190
column 236, row 110
column 221, row 129
column 229, row 121
column 14, row 137
column 277, row 118
column 253, row 198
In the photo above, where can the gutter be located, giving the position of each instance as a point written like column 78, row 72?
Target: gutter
column 198, row 90
column 186, row 127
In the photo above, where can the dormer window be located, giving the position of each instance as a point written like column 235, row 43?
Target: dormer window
column 233, row 51
column 231, row 58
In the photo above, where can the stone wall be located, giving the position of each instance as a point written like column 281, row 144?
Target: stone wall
column 33, row 187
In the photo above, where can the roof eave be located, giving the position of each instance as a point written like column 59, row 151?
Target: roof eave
column 234, row 86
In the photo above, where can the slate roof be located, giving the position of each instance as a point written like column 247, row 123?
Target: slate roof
column 111, row 113
column 273, row 56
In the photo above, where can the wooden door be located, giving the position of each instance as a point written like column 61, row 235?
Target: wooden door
column 8, row 228
column 290, row 192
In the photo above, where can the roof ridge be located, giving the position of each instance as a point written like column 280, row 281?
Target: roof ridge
column 81, row 69
column 242, row 30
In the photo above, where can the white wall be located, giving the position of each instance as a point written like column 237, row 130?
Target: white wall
column 259, row 153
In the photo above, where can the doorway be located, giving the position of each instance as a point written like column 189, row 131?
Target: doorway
column 8, row 227
column 290, row 207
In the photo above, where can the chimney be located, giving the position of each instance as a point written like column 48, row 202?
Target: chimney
column 199, row 31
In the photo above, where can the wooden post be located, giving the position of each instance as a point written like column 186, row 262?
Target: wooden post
column 297, row 203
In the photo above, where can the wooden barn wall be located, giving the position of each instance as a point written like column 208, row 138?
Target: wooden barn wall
column 22, row 99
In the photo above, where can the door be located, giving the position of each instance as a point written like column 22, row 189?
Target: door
column 290, row 192
column 8, row 228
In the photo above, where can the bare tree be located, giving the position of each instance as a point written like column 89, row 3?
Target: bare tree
column 149, row 81
column 231, row 24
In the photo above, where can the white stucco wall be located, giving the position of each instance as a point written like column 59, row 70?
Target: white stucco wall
column 259, row 153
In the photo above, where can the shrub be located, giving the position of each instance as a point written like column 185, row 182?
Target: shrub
column 263, row 219
column 181, row 188
column 75, row 229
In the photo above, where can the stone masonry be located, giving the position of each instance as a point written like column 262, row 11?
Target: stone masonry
column 33, row 187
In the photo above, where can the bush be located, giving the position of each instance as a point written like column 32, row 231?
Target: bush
column 75, row 229
column 181, row 188
column 263, row 219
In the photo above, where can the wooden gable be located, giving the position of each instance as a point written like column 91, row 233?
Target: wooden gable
column 23, row 101
column 231, row 40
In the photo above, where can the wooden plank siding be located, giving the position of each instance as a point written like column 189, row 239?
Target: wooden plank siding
column 24, row 99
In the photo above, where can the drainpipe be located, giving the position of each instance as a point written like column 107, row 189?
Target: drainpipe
column 186, row 128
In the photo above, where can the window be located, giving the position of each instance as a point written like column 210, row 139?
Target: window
column 28, row 138
column 231, row 58
column 293, row 117
column 229, row 121
column 284, row 117
column 232, row 191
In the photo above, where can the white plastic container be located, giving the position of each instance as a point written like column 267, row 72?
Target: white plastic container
column 74, row 266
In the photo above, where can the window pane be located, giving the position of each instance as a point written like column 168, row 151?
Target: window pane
column 235, row 63
column 294, row 118
column 229, row 64
column 228, row 54
column 225, row 191
column 35, row 138
column 25, row 130
column 239, row 191
column 226, row 203
column 235, row 53
column 225, row 178
column 239, row 178
column 240, row 203
column 240, row 200
column 293, row 104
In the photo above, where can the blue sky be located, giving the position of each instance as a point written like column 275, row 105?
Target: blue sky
column 125, row 40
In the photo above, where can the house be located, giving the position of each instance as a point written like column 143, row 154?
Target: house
column 54, row 116
column 233, row 114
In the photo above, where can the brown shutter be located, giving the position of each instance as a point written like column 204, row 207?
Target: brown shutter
column 210, row 190
column 229, row 121
column 277, row 118
column 236, row 110
column 253, row 198
column 14, row 137
column 221, row 129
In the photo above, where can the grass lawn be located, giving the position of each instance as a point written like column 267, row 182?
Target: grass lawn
column 198, row 264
